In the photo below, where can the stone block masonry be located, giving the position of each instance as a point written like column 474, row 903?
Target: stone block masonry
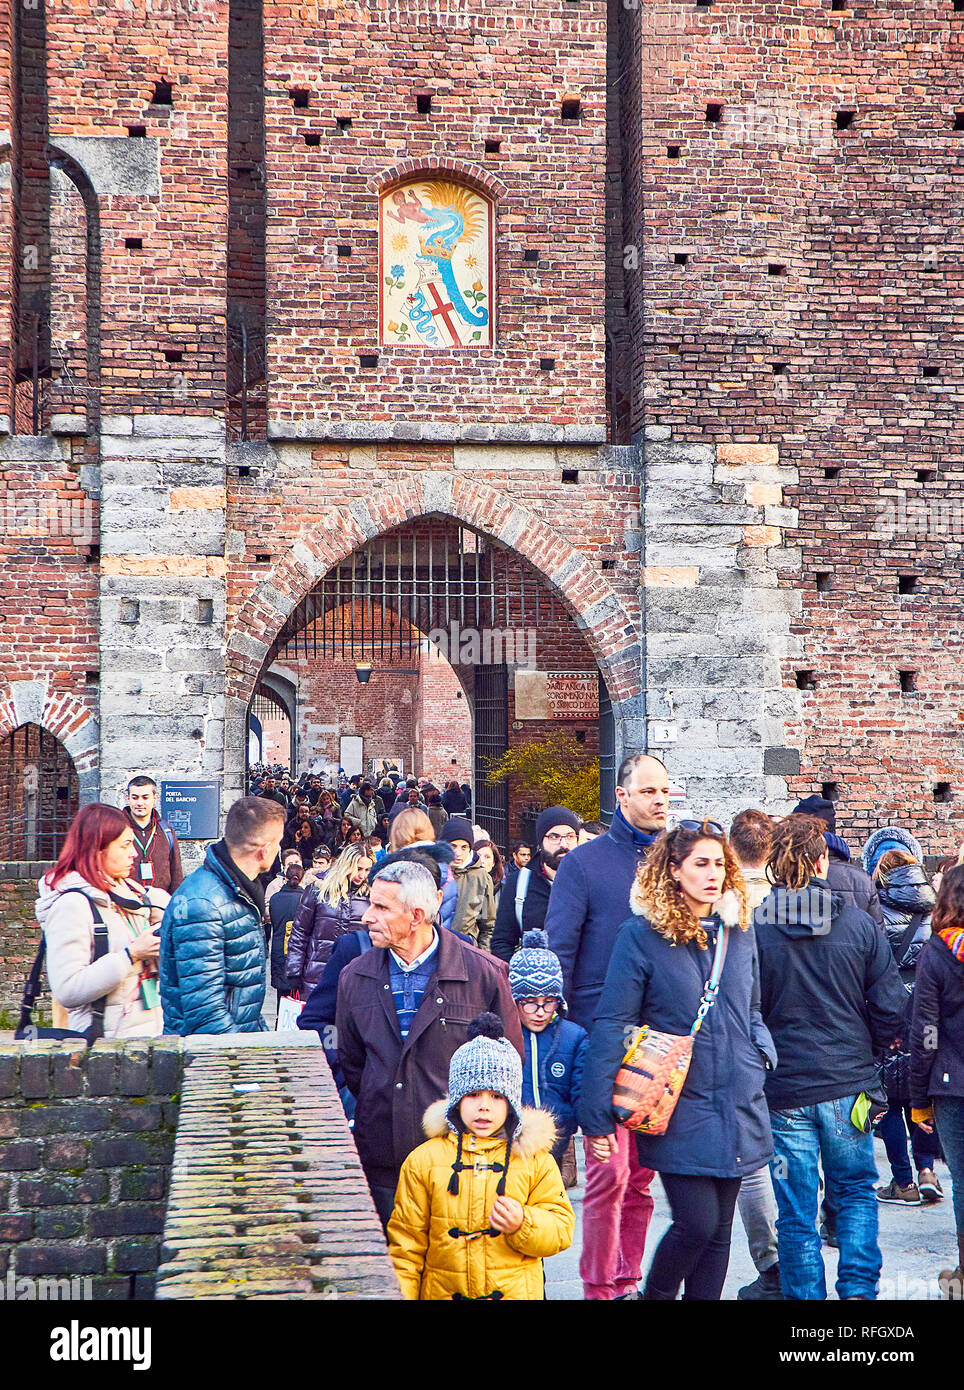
column 219, row 1167
column 86, row 1137
column 268, row 1198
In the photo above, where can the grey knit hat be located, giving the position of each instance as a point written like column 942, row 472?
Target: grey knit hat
column 487, row 1062
column 534, row 970
column 889, row 837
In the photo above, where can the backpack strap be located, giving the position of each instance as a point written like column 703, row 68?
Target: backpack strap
column 168, row 835
column 913, row 928
column 521, row 889
column 32, row 987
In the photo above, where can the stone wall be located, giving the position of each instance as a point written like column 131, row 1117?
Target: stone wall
column 85, row 1157
column 227, row 1160
column 19, row 939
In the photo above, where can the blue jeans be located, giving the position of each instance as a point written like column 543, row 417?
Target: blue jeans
column 949, row 1120
column 800, row 1137
column 892, row 1128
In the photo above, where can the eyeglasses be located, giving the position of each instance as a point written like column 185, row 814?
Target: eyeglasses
column 539, row 1006
column 700, row 825
column 553, row 839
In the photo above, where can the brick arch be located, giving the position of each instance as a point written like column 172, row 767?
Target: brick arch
column 76, row 726
column 460, row 170
column 593, row 604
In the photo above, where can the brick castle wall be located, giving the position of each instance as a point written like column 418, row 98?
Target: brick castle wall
column 87, row 1139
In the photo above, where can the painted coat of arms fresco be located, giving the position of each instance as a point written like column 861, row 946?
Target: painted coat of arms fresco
column 435, row 265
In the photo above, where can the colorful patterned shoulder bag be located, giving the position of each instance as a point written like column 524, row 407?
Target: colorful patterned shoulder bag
column 649, row 1082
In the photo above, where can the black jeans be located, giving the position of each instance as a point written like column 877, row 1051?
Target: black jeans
column 384, row 1199
column 696, row 1248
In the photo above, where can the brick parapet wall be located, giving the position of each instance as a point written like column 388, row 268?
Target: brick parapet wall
column 86, row 1138
column 19, row 938
column 268, row 1198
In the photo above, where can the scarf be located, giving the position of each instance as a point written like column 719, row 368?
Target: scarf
column 953, row 939
column 250, row 886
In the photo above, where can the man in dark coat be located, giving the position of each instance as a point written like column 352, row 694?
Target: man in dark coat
column 844, row 877
column 403, row 1008
column 588, row 903
column 831, row 997
column 557, row 832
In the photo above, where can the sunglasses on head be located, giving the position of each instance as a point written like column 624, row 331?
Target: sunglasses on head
column 695, row 825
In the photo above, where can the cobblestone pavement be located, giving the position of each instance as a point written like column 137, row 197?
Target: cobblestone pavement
column 916, row 1242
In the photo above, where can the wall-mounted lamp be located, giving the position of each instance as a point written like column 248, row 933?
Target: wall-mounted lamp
column 363, row 672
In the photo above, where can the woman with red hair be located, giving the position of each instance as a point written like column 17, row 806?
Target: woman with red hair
column 90, row 882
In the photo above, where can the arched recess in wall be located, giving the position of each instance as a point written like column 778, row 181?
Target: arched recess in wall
column 39, row 794
column 595, row 608
column 78, row 177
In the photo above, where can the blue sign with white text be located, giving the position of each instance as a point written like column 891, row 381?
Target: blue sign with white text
column 192, row 809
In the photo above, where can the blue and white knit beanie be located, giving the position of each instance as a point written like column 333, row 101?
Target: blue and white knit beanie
column 889, row 837
column 487, row 1062
column 534, row 970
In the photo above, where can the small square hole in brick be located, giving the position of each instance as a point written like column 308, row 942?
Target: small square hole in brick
column 714, row 112
column 839, row 4
column 942, row 791
column 580, row 736
column 570, row 475
column 531, row 255
column 137, row 132
column 681, row 258
column 547, row 364
column 844, row 119
column 299, row 98
column 925, row 475
column 163, row 94
column 907, row 583
column 133, row 243
column 608, row 564
column 959, row 6
column 571, row 109
column 244, row 471
column 673, row 151
column 92, row 678
column 704, row 4
column 343, row 124
column 261, row 559
column 806, row 680
column 831, row 473
column 312, row 138
column 344, row 250
column 931, row 369
column 830, row 791
column 824, row 580
column 776, row 268
column 92, row 555
column 908, row 681
column 779, row 368
column 173, row 355
column 959, row 120
column 368, row 359
column 493, row 146
column 423, row 104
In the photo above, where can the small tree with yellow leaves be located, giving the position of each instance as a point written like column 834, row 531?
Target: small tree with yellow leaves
column 554, row 770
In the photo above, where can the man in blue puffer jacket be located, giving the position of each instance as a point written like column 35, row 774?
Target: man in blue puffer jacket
column 212, row 959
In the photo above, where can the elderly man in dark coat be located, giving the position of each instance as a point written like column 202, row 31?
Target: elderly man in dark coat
column 403, row 1008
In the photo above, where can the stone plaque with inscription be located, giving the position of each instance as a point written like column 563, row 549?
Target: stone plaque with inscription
column 573, row 695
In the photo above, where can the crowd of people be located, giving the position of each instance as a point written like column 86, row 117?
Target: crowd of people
column 738, row 1009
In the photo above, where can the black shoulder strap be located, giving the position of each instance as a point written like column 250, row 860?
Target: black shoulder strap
column 32, row 987
column 907, row 938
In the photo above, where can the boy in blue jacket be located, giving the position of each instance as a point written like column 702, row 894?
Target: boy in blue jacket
column 555, row 1048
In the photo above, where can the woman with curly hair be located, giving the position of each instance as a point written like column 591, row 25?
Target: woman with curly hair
column 688, row 891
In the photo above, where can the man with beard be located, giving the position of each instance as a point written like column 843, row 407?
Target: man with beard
column 525, row 894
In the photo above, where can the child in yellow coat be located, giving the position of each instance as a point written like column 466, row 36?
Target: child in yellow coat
column 481, row 1203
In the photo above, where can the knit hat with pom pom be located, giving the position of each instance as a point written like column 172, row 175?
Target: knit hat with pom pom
column 534, row 971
